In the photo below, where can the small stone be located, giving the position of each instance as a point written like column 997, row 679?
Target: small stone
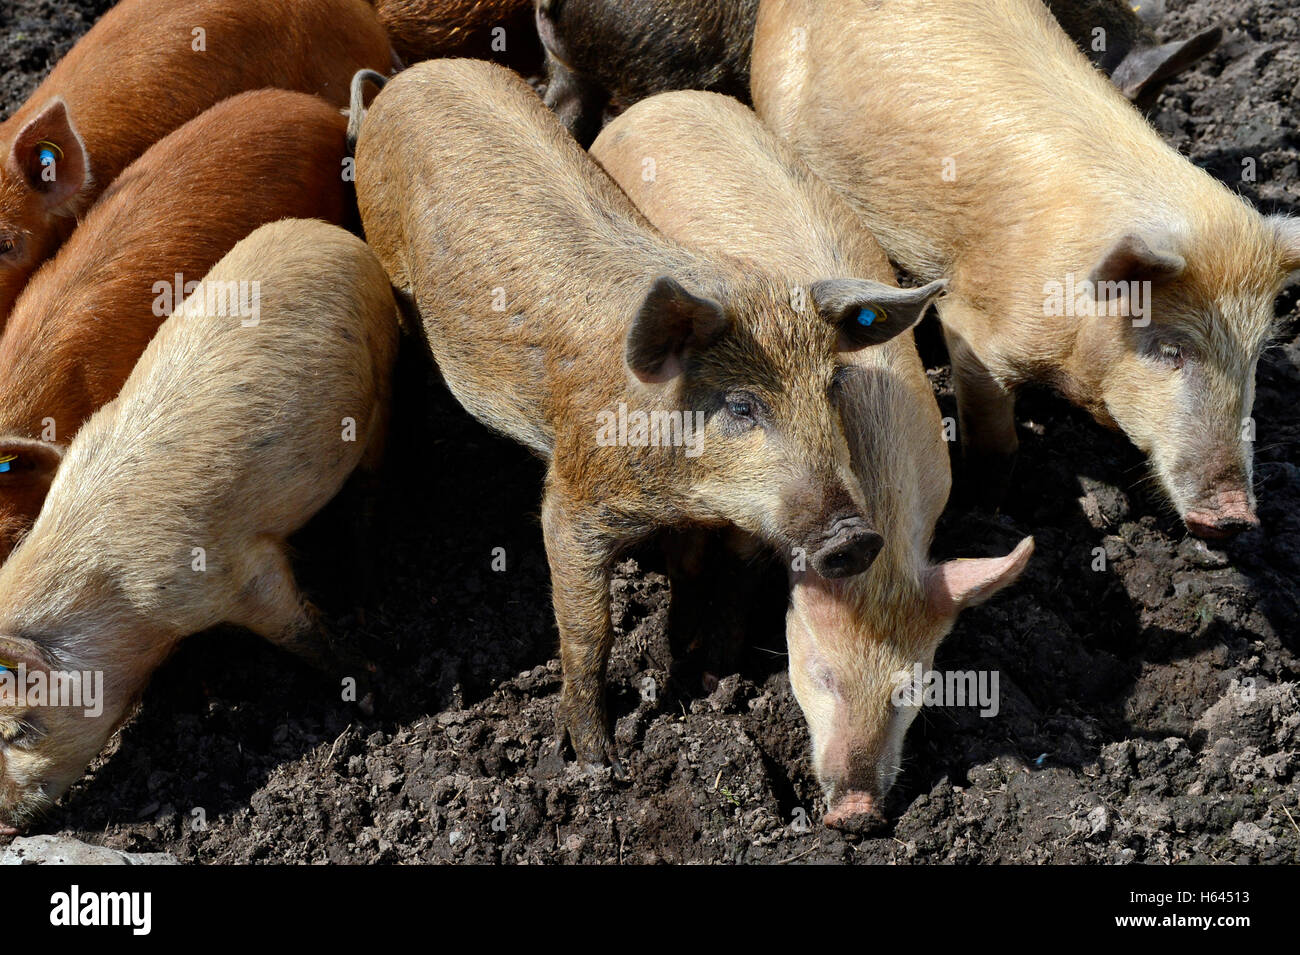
column 62, row 850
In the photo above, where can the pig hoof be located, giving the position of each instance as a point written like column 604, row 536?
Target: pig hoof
column 589, row 748
column 607, row 764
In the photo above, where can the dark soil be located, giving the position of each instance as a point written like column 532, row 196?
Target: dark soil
column 1149, row 711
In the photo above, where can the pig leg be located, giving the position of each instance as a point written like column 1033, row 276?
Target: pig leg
column 987, row 424
column 273, row 607
column 580, row 558
column 579, row 103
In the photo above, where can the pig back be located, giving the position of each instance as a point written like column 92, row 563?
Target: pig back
column 705, row 171
column 524, row 261
column 233, row 425
column 83, row 320
column 953, row 145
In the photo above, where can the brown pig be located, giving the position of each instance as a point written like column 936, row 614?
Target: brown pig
column 664, row 387
column 598, row 51
column 144, row 69
column 83, row 320
column 500, row 30
column 171, row 510
column 706, row 172
column 1083, row 251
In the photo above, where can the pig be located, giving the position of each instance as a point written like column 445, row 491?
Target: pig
column 490, row 29
column 142, row 71
column 664, row 388
column 631, row 49
column 598, row 51
column 722, row 183
column 226, row 437
column 1119, row 37
column 83, row 320
column 1029, row 181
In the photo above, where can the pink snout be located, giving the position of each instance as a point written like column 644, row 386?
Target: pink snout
column 855, row 812
column 1225, row 514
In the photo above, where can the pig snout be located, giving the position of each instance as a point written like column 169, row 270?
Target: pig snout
column 848, row 549
column 855, row 811
column 1222, row 515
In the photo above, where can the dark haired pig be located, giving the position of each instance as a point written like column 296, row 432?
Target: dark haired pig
column 144, row 69
column 1120, row 39
column 171, row 510
column 631, row 49
column 1083, row 251
column 666, row 388
column 83, row 320
column 709, row 174
column 626, row 50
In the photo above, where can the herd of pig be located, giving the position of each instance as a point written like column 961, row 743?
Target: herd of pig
column 197, row 344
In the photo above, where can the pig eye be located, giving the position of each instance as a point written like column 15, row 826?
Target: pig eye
column 7, row 245
column 1171, row 354
column 743, row 407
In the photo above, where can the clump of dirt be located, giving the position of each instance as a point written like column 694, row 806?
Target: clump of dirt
column 1149, row 702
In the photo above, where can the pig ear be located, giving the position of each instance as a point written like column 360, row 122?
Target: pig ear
column 50, row 157
column 871, row 313
column 1288, row 237
column 23, row 458
column 670, row 321
column 1134, row 258
column 1145, row 71
column 954, row 585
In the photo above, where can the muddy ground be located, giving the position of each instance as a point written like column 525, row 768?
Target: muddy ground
column 1149, row 711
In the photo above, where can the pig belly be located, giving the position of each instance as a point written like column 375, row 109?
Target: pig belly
column 500, row 380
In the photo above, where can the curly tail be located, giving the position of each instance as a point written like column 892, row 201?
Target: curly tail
column 357, row 104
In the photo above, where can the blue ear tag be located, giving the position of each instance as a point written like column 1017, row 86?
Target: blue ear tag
column 6, row 462
column 6, row 665
column 48, row 152
column 868, row 317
